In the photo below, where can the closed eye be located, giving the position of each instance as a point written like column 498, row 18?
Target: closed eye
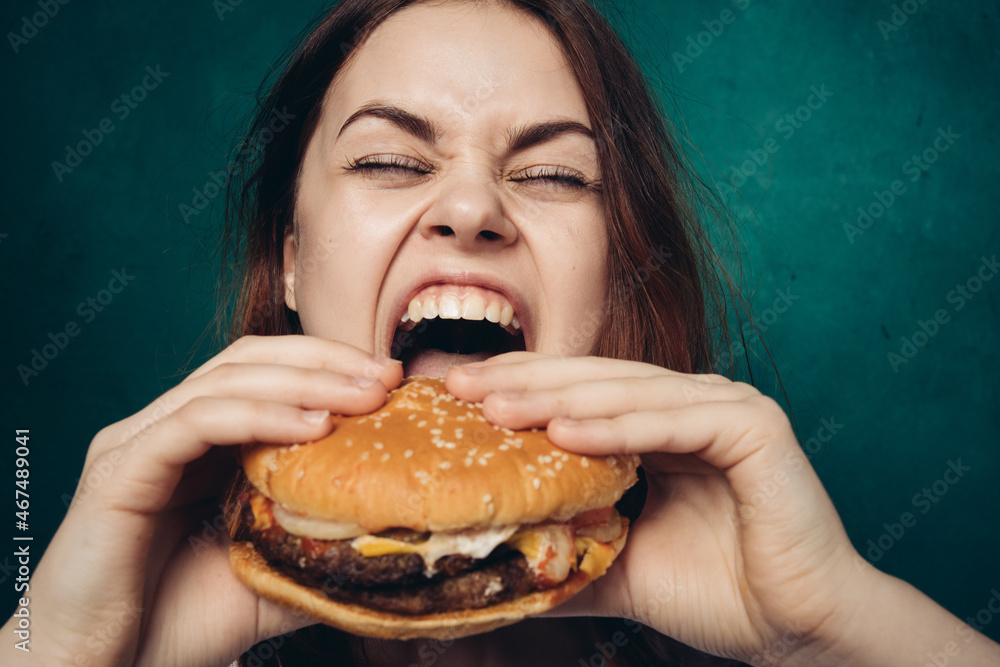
column 388, row 166
column 552, row 176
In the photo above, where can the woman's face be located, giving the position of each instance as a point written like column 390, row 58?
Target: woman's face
column 451, row 179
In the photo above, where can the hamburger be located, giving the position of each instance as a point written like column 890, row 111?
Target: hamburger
column 425, row 520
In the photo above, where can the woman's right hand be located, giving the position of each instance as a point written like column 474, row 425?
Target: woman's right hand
column 120, row 584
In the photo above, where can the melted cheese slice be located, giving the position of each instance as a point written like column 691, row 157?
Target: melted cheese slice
column 476, row 544
column 597, row 557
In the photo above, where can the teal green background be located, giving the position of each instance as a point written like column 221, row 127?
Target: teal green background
column 853, row 302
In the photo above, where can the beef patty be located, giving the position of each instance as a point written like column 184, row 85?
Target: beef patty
column 394, row 583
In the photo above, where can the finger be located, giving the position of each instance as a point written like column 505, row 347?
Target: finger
column 145, row 471
column 352, row 390
column 473, row 382
column 750, row 441
column 724, row 434
column 305, row 387
column 607, row 398
column 306, row 352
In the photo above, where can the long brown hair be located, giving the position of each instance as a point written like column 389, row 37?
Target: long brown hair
column 664, row 288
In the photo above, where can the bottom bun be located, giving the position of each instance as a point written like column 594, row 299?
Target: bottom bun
column 251, row 568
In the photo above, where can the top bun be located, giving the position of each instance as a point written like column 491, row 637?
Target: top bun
column 428, row 461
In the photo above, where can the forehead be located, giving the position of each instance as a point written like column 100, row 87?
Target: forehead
column 478, row 63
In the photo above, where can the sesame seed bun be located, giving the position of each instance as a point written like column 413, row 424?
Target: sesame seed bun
column 429, row 462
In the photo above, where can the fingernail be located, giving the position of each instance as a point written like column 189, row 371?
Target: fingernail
column 471, row 369
column 387, row 361
column 569, row 421
column 511, row 395
column 314, row 416
column 364, row 383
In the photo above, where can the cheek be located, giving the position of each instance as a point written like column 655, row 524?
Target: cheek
column 577, row 269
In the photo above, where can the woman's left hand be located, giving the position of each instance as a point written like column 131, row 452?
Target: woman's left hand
column 739, row 550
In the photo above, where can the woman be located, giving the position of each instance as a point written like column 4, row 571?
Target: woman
column 506, row 151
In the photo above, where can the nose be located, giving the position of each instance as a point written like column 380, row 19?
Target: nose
column 470, row 214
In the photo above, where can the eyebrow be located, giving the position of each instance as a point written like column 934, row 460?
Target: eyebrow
column 518, row 138
column 403, row 119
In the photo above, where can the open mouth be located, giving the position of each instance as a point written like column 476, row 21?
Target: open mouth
column 450, row 325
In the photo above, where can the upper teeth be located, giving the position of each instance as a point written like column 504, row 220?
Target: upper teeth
column 468, row 303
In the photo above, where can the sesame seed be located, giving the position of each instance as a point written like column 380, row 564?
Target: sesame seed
column 378, row 424
column 550, row 472
column 273, row 467
column 487, row 498
column 349, row 442
column 444, row 465
column 491, row 508
column 422, row 423
column 504, row 447
column 530, row 468
column 408, row 453
column 483, row 461
column 436, row 431
column 412, row 416
column 559, row 465
column 378, row 445
column 440, row 420
column 385, row 457
column 302, row 474
column 536, row 483
column 585, row 462
column 468, row 461
column 365, row 455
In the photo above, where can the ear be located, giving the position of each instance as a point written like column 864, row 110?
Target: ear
column 290, row 251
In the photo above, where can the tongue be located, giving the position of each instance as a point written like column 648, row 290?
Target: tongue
column 435, row 363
